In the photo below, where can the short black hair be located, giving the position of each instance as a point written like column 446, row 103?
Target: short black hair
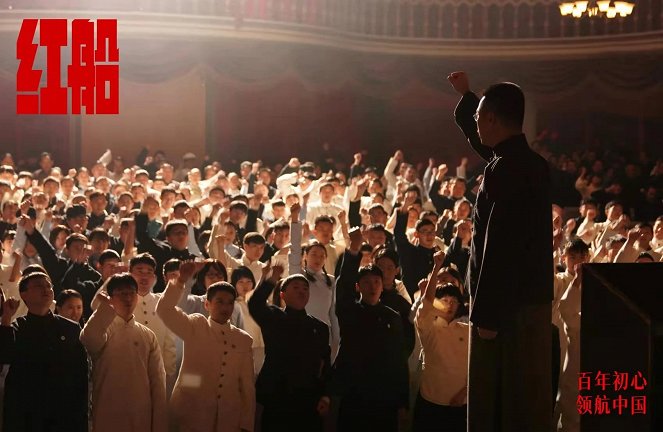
column 507, row 101
column 388, row 253
column 239, row 205
column 175, row 223
column 214, row 264
column 66, row 295
column 107, row 255
column 281, row 226
column 242, row 272
column 27, row 277
column 254, row 238
column 614, row 203
column 218, row 287
column 422, row 223
column 323, row 219
column 172, row 264
column 99, row 233
column 576, row 245
column 75, row 237
column 144, row 258
column 119, row 281
column 285, row 282
column 368, row 270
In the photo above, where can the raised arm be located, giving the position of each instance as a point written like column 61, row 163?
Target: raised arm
column 95, row 332
column 464, row 113
column 346, row 293
column 261, row 312
column 175, row 319
column 295, row 252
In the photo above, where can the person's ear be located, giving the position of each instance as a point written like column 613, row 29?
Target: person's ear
column 207, row 305
column 282, row 296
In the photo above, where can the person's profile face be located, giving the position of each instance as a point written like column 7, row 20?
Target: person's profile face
column 485, row 124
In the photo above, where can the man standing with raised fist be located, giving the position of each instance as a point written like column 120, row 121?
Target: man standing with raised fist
column 510, row 343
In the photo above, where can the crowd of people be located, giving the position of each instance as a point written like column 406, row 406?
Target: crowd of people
column 203, row 297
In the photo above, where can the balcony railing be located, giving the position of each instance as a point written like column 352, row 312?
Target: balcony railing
column 403, row 19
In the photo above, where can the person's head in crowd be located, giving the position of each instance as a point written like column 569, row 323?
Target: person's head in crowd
column 9, row 209
column 79, row 200
column 167, row 172
column 196, row 217
column 409, row 173
column 7, row 174
column 253, row 245
column 46, row 162
column 265, row 176
column 24, row 180
column 29, row 249
column 230, row 232
column 177, row 234
column 238, row 211
column 97, row 170
column 76, row 216
column 425, row 233
column 142, row 177
column 107, row 262
column 83, row 177
column 281, row 234
column 76, row 247
column 5, row 188
column 216, row 195
column 99, row 240
column 36, row 291
column 167, row 196
column 369, row 284
column 180, row 209
column 295, row 291
column 376, row 235
column 613, row 210
column 103, row 183
column 388, row 262
column 450, row 275
column 375, row 186
column 158, row 184
column 234, row 182
column 126, row 200
column 575, row 252
column 413, row 215
column 278, row 209
column 614, row 244
column 646, row 235
column 67, row 185
column 315, row 255
column 69, row 304
column 143, row 268
column 597, row 166
column 430, row 215
column 7, row 240
column 194, row 176
column 122, row 290
column 449, row 302
column 245, row 169
column 326, row 193
column 171, row 270
column 644, row 257
column 98, row 202
column 589, row 209
column 243, row 280
column 212, row 272
column 51, row 186
column 152, row 207
column 458, row 187
column 377, row 198
column 138, row 192
column 615, row 187
column 500, row 113
column 209, row 171
column 220, row 301
column 377, row 214
column 323, row 229
column 462, row 209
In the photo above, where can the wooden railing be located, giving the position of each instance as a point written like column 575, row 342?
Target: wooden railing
column 424, row 19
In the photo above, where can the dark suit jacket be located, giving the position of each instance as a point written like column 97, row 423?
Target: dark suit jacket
column 511, row 260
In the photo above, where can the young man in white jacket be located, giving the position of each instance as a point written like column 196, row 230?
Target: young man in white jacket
column 215, row 389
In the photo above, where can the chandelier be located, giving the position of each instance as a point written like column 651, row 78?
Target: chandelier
column 609, row 9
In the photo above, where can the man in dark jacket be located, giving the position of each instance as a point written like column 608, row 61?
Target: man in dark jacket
column 370, row 373
column 46, row 386
column 297, row 356
column 510, row 350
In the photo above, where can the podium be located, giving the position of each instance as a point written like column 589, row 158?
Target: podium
column 622, row 331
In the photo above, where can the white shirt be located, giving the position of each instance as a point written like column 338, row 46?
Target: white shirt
column 446, row 348
column 129, row 381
